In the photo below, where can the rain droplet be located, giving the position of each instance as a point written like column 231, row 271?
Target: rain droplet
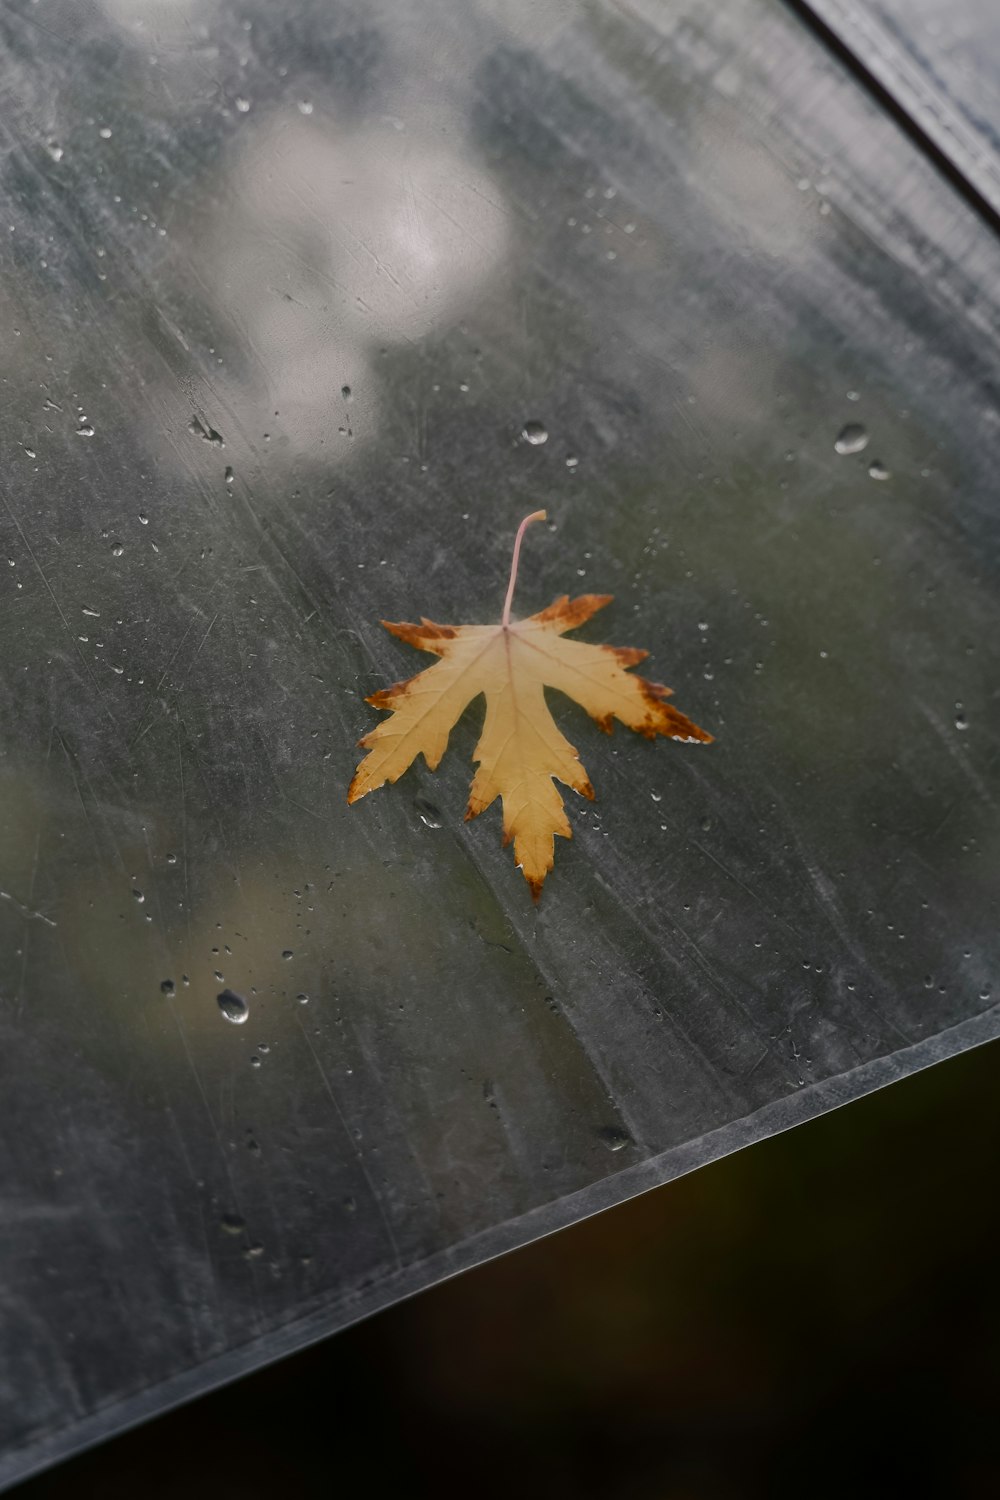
column 305, row 108
column 117, row 550
column 535, row 433
column 243, row 105
column 614, row 1138
column 429, row 814
column 288, row 953
column 230, row 476
column 345, row 391
column 85, row 428
column 852, row 438
column 56, row 152
column 167, row 986
column 878, row 470
column 303, row 999
column 233, row 1006
column 572, row 461
column 232, row 1223
column 208, row 434
column 961, row 722
column 138, row 895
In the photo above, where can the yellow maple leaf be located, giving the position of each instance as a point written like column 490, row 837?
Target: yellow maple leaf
column 521, row 752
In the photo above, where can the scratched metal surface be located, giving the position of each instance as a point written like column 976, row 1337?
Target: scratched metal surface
column 281, row 286
column 941, row 63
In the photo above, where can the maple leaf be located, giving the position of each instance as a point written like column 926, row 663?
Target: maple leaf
column 521, row 752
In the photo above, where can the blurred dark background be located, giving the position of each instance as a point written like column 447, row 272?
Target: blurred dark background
column 815, row 1315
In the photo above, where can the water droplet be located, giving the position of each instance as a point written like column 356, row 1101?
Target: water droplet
column 345, row 391
column 572, row 461
column 117, row 550
column 29, row 451
column 171, row 859
column 854, row 395
column 230, row 476
column 105, row 132
column 615, row 1138
column 143, row 519
column 243, row 105
column 878, row 470
column 255, row 1062
column 535, row 433
column 852, row 438
column 208, row 434
column 303, row 999
column 232, row 1223
column 288, row 953
column 656, row 796
column 961, row 722
column 56, row 152
column 429, row 814
column 254, row 1251
column 305, row 108
column 167, row 986
column 85, row 429
column 705, row 824
column 233, row 1006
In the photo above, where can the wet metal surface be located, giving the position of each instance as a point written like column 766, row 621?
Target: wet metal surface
column 288, row 295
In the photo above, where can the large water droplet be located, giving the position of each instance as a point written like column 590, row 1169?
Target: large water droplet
column 535, row 433
column 852, row 438
column 878, row 470
column 429, row 814
column 233, row 1006
column 198, row 428
column 614, row 1138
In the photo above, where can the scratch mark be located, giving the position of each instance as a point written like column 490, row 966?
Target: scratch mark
column 949, row 743
column 196, row 655
column 353, row 1144
column 184, row 842
column 58, row 608
column 26, row 911
column 163, row 677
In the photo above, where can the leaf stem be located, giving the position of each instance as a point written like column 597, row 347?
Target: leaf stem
column 536, row 515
